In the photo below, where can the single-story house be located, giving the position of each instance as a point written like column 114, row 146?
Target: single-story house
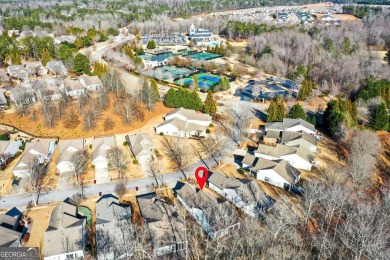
column 18, row 72
column 245, row 194
column 272, row 137
column 100, row 147
column 67, row 148
column 112, row 218
column 57, row 67
column 165, row 227
column 41, row 151
column 13, row 229
column 35, row 68
column 142, row 146
column 298, row 157
column 189, row 115
column 207, row 209
column 73, row 88
column 66, row 234
column 278, row 173
column 301, row 139
column 290, row 124
column 8, row 149
column 91, row 82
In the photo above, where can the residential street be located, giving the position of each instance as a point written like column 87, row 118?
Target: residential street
column 143, row 184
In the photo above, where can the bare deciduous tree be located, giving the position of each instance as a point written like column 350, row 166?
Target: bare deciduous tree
column 79, row 162
column 177, row 151
column 119, row 161
column 36, row 181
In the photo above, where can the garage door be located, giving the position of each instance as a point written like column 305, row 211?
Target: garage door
column 100, row 165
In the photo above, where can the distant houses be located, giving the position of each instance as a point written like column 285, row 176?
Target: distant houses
column 166, row 229
column 65, row 237
column 290, row 124
column 111, row 218
column 207, row 210
column 183, row 122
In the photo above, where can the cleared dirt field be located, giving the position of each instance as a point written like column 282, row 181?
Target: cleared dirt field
column 38, row 127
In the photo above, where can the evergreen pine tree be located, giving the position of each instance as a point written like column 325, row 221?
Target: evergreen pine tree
column 195, row 81
column 81, row 65
column 210, row 106
column 151, row 44
column 297, row 112
column 79, row 44
column 280, row 110
column 379, row 118
column 45, row 57
column 271, row 112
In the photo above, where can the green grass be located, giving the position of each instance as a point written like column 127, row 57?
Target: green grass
column 86, row 212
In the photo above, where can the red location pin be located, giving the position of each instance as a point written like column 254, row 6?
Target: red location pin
column 201, row 179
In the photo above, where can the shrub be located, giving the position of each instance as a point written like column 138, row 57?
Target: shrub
column 93, row 166
column 211, row 125
column 135, row 161
column 208, row 131
column 90, row 146
column 125, row 143
column 161, row 133
column 242, row 171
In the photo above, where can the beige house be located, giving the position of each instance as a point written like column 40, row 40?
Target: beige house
column 142, row 146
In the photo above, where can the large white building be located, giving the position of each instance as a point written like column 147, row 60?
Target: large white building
column 199, row 35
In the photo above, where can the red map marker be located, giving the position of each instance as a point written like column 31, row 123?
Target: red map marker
column 201, row 179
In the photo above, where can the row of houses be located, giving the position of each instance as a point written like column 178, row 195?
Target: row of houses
column 289, row 147
column 36, row 68
column 51, row 89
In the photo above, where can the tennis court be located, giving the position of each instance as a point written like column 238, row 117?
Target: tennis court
column 167, row 73
column 204, row 56
column 204, row 80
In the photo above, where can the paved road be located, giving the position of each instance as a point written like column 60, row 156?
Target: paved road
column 143, row 184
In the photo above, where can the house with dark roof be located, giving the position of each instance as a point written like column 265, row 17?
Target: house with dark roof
column 290, row 124
column 299, row 157
column 142, row 146
column 67, row 148
column 208, row 210
column 41, row 151
column 278, row 173
column 112, row 218
column 12, row 229
column 65, row 236
column 245, row 194
column 166, row 228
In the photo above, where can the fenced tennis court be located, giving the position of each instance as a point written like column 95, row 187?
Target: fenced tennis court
column 167, row 73
column 204, row 56
column 204, row 80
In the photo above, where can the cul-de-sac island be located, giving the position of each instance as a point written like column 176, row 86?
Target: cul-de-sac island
column 108, row 108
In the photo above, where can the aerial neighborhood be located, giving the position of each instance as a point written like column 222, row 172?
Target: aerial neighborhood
column 194, row 130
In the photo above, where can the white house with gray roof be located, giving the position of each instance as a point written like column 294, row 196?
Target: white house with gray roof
column 91, row 82
column 299, row 157
column 142, row 146
column 208, row 210
column 166, row 228
column 301, row 139
column 112, row 218
column 72, row 87
column 290, row 124
column 245, row 194
column 18, row 72
column 100, row 147
column 183, row 122
column 41, row 151
column 278, row 173
column 65, row 236
column 68, row 148
column 8, row 149
column 10, row 229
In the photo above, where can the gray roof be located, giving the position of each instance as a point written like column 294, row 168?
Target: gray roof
column 162, row 220
column 287, row 123
column 249, row 159
column 272, row 134
column 67, row 148
column 288, row 136
column 72, row 84
column 141, row 142
column 281, row 150
column 183, row 125
column 3, row 100
column 54, row 63
column 109, row 209
column 18, row 70
column 281, row 167
column 65, row 226
column 9, row 147
column 190, row 114
column 101, row 145
column 8, row 225
column 91, row 80
column 248, row 190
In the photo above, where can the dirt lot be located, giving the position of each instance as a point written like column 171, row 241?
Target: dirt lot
column 38, row 127
column 347, row 17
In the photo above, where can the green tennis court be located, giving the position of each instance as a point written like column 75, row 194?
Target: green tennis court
column 204, row 56
column 167, row 73
column 86, row 212
column 204, row 80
